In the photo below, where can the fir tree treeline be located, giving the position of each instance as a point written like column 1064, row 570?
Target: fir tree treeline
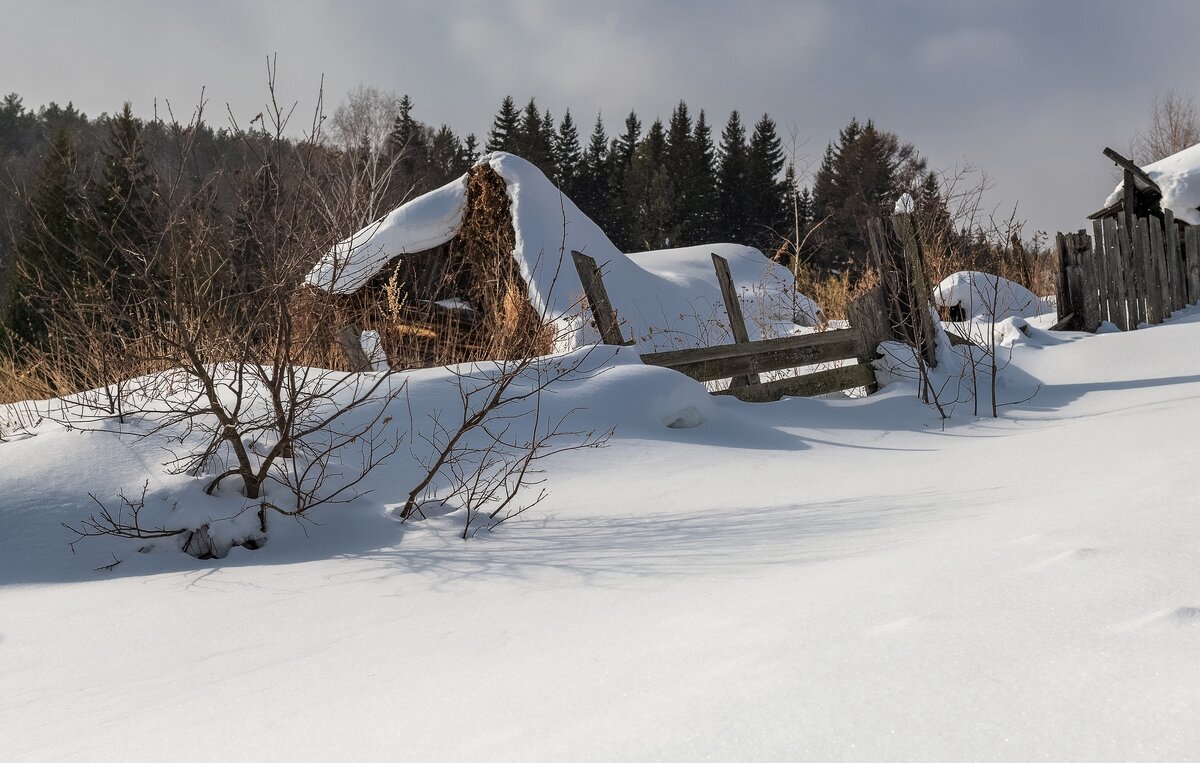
column 661, row 185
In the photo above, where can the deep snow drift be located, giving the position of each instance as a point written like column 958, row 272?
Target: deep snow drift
column 806, row 579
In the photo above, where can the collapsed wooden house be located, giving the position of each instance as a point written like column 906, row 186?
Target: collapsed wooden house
column 480, row 267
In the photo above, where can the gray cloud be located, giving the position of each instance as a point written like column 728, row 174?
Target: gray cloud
column 1030, row 91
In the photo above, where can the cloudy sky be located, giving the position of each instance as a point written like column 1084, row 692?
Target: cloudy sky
column 1028, row 90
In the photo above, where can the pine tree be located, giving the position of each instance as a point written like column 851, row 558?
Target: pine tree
column 681, row 169
column 701, row 227
column 533, row 144
column 407, row 142
column 648, row 197
column 49, row 248
column 860, row 178
column 765, row 193
column 470, row 153
column 568, row 156
column 127, row 210
column 620, row 158
column 732, row 189
column 592, row 188
column 505, row 127
column 445, row 157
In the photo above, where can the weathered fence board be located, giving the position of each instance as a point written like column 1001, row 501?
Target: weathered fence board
column 807, row 385
column 730, row 360
column 733, row 309
column 597, row 299
column 1130, row 275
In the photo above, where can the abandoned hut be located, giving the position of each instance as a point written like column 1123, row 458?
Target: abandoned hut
column 478, row 267
column 1142, row 261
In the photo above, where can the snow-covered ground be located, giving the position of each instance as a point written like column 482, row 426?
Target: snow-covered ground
column 806, row 579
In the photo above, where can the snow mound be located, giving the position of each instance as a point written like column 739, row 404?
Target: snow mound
column 666, row 299
column 1178, row 175
column 986, row 296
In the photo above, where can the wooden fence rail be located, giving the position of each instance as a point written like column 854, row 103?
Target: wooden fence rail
column 743, row 361
column 1127, row 273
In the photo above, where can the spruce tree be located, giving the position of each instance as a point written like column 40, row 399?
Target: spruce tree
column 764, row 191
column 445, row 157
column 127, row 210
column 49, row 268
column 469, row 154
column 568, row 157
column 592, row 188
column 649, row 212
column 860, row 178
column 680, row 166
column 620, row 158
column 505, row 127
column 701, row 227
column 732, row 188
column 407, row 142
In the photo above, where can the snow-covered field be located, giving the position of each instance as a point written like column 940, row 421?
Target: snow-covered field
column 807, row 579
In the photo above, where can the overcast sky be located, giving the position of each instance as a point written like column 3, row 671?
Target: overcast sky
column 1030, row 91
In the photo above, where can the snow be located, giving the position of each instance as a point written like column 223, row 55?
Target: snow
column 807, row 579
column 986, row 296
column 423, row 223
column 372, row 347
column 664, row 299
column 905, row 204
column 1178, row 175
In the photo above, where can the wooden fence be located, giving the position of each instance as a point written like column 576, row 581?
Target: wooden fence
column 743, row 361
column 1127, row 276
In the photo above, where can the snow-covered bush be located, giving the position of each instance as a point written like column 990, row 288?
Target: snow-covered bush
column 971, row 295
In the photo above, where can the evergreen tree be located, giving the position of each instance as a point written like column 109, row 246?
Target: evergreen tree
column 49, row 268
column 592, row 188
column 409, row 147
column 764, row 191
column 732, row 183
column 505, row 128
column 568, row 157
column 533, row 143
column 470, row 153
column 445, row 157
column 648, row 197
column 680, row 165
column 701, row 226
column 127, row 210
column 620, row 158
column 860, row 178
column 17, row 126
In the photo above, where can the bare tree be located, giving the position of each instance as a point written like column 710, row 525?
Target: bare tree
column 201, row 332
column 1174, row 126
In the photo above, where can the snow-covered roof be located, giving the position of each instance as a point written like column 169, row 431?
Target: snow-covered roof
column 1178, row 176
column 665, row 299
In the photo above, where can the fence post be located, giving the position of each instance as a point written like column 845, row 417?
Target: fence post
column 350, row 340
column 733, row 309
column 597, row 299
column 1191, row 245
